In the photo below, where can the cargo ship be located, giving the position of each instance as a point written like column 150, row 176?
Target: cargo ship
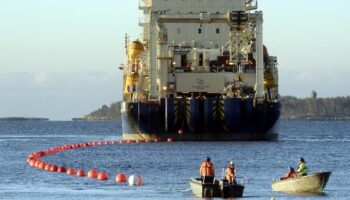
column 200, row 72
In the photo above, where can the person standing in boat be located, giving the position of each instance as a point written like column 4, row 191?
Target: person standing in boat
column 302, row 169
column 207, row 171
column 231, row 173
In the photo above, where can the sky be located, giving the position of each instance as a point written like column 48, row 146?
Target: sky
column 59, row 58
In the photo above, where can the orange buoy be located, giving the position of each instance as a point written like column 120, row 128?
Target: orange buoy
column 32, row 162
column 42, row 165
column 47, row 167
column 100, row 143
column 129, row 141
column 81, row 173
column 170, row 140
column 180, row 132
column 53, row 168
column 102, row 176
column 107, row 143
column 39, row 154
column 37, row 163
column 92, row 173
column 114, row 142
column 29, row 158
column 120, row 178
column 61, row 170
column 121, row 142
column 70, row 171
column 147, row 141
column 138, row 141
column 156, row 140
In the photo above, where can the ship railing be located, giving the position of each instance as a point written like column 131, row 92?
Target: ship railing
column 145, row 70
column 145, row 34
column 143, row 22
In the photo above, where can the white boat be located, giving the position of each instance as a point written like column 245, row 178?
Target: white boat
column 215, row 189
column 313, row 183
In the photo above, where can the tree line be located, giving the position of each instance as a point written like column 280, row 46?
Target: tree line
column 337, row 108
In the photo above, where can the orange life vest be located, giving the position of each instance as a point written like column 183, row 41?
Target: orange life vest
column 207, row 169
column 291, row 174
column 230, row 173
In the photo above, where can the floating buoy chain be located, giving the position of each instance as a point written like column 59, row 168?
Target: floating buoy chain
column 34, row 161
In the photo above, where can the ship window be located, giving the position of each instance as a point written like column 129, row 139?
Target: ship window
column 217, row 30
column 183, row 60
column 199, row 31
column 178, row 30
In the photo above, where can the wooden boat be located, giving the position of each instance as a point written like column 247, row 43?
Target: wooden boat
column 215, row 189
column 314, row 183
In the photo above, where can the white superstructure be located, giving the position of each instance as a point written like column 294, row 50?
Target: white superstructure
column 211, row 47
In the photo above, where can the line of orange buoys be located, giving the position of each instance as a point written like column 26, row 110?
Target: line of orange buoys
column 34, row 161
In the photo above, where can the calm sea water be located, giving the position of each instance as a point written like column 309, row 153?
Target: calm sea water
column 165, row 168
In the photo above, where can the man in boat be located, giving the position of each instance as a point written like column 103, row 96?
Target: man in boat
column 231, row 173
column 291, row 174
column 302, row 169
column 207, row 171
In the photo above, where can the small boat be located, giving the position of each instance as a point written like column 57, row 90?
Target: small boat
column 215, row 189
column 313, row 183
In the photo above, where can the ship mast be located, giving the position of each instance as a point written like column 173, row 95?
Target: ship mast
column 152, row 64
column 259, row 58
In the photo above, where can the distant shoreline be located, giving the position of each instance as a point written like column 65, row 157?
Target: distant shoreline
column 23, row 119
column 282, row 119
column 317, row 119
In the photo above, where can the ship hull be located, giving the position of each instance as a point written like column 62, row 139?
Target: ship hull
column 201, row 120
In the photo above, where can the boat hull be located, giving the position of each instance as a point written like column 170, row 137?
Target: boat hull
column 210, row 190
column 219, row 120
column 314, row 183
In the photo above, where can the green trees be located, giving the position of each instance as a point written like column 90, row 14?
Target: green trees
column 111, row 112
column 337, row 108
column 312, row 108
